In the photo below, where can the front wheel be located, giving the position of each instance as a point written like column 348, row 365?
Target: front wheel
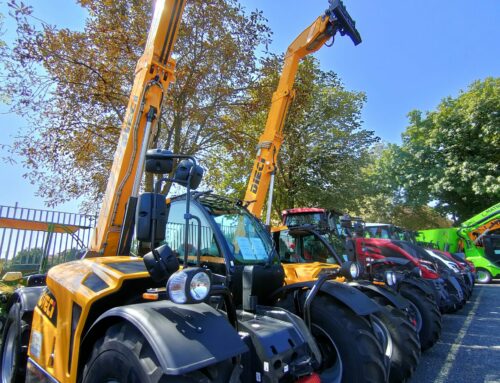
column 426, row 313
column 124, row 356
column 14, row 347
column 349, row 349
column 483, row 276
column 405, row 346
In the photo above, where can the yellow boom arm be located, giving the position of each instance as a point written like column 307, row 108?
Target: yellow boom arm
column 336, row 19
column 153, row 75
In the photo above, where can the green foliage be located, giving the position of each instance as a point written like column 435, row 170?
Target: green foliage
column 452, row 155
column 31, row 256
column 73, row 86
column 449, row 157
column 383, row 199
column 324, row 145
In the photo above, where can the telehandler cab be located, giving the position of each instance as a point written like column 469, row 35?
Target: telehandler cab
column 232, row 243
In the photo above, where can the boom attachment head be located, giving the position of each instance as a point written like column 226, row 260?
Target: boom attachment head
column 343, row 21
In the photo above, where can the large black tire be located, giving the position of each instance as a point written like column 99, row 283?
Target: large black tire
column 405, row 345
column 428, row 311
column 124, row 356
column 350, row 351
column 14, row 348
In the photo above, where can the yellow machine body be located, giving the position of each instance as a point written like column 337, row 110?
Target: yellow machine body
column 62, row 311
column 304, row 272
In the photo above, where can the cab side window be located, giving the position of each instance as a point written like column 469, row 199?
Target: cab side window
column 316, row 251
column 209, row 249
column 288, row 251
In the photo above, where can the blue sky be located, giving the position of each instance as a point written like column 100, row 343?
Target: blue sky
column 414, row 53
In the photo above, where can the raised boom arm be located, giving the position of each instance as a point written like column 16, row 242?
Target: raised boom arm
column 336, row 19
column 153, row 75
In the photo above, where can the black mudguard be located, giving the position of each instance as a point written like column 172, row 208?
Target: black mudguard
column 351, row 297
column 184, row 338
column 455, row 287
column 389, row 295
column 27, row 296
column 420, row 284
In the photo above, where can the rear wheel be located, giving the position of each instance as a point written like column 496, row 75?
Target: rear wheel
column 427, row 313
column 405, row 346
column 124, row 356
column 349, row 349
column 483, row 276
column 14, row 347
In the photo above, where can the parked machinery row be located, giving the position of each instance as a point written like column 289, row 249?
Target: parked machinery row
column 193, row 289
column 434, row 282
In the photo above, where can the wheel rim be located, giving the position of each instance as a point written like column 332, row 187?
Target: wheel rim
column 383, row 335
column 415, row 316
column 333, row 367
column 483, row 276
column 9, row 355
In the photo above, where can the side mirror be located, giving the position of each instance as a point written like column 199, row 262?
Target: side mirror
column 416, row 272
column 144, row 217
column 159, row 161
column 346, row 221
column 36, row 280
column 161, row 266
column 186, row 168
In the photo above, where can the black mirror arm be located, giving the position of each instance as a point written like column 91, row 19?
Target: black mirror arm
column 153, row 232
column 198, row 244
column 188, row 215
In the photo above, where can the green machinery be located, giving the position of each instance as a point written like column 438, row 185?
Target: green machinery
column 478, row 238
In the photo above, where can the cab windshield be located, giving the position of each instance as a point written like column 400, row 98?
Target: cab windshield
column 246, row 238
column 303, row 219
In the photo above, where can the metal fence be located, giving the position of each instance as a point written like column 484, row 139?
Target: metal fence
column 33, row 240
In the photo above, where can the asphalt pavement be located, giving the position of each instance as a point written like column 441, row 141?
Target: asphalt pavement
column 469, row 348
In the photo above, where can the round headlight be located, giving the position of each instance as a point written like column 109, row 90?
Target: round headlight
column 176, row 287
column 390, row 278
column 199, row 286
column 191, row 285
column 354, row 270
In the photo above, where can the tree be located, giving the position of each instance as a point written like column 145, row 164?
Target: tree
column 28, row 256
column 73, row 86
column 323, row 147
column 383, row 199
column 452, row 155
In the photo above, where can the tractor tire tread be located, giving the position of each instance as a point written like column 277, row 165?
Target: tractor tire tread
column 431, row 327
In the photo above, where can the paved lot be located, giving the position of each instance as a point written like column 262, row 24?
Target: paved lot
column 469, row 348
